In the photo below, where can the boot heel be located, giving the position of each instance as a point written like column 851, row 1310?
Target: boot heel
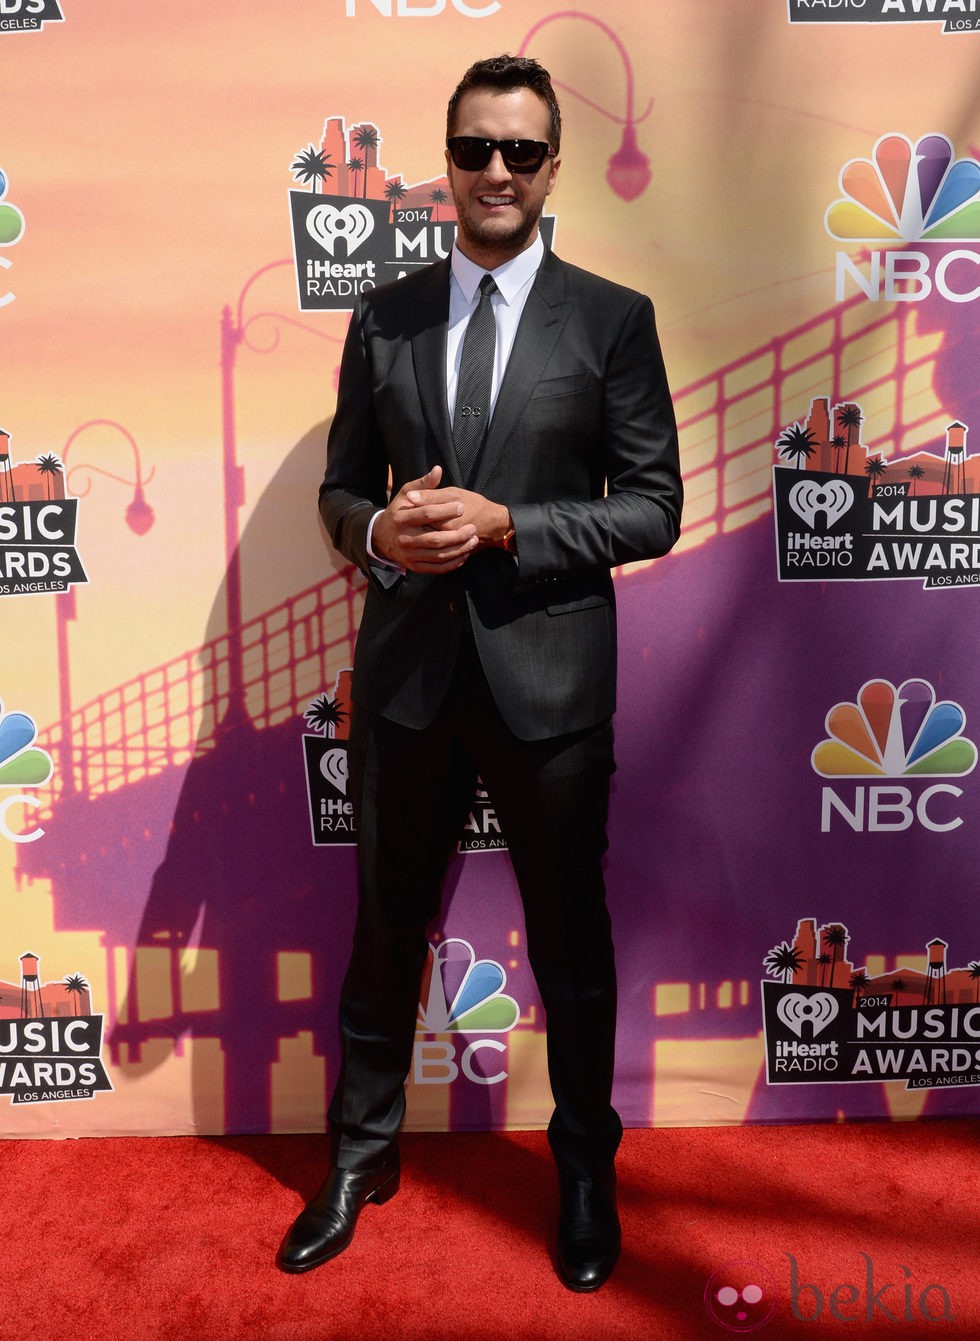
column 386, row 1190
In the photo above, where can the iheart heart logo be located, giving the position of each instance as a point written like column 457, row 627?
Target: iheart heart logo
column 333, row 766
column 833, row 499
column 795, row 1010
column 326, row 223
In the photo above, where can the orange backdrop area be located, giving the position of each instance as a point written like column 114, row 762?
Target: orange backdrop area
column 151, row 340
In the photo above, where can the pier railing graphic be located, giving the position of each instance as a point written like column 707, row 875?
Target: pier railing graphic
column 729, row 420
column 162, row 717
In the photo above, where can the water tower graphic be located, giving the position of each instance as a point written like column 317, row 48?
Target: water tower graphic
column 954, row 470
column 7, row 494
column 31, row 1001
column 935, row 994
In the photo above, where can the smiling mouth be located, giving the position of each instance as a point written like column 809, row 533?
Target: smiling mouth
column 496, row 202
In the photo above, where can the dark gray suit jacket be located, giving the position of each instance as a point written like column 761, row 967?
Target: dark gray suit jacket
column 582, row 448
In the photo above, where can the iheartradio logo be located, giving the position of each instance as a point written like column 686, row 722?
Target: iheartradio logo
column 333, row 766
column 795, row 1010
column 833, row 499
column 326, row 223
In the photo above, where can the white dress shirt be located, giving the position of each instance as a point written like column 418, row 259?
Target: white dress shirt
column 513, row 279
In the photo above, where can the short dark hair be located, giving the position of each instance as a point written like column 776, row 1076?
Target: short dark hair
column 505, row 73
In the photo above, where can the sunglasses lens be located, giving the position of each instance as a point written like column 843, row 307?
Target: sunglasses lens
column 524, row 155
column 472, row 154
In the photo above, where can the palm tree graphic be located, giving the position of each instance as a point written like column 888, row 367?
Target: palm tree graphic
column 365, row 138
column 323, row 713
column 849, row 417
column 312, row 165
column 356, row 165
column 394, row 191
column 859, row 981
column 823, row 959
column 797, row 443
column 915, row 473
column 75, row 985
column 899, row 985
column 836, row 937
column 974, row 968
column 874, row 469
column 838, row 442
column 784, row 959
column 438, row 197
column 49, row 465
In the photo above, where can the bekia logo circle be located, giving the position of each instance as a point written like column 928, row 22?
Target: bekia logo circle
column 740, row 1296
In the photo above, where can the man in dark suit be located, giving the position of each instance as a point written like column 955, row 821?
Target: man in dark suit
column 488, row 642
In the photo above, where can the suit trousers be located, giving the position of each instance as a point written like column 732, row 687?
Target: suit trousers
column 412, row 791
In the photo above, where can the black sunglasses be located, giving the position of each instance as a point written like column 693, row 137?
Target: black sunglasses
column 472, row 154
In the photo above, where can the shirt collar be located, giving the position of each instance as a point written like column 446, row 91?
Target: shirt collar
column 510, row 277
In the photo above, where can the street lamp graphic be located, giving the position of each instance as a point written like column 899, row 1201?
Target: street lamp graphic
column 139, row 514
column 139, row 519
column 628, row 170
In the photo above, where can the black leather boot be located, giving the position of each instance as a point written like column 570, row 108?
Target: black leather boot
column 327, row 1225
column 588, row 1230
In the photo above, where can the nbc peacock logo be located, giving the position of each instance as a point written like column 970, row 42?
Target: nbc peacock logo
column 22, row 764
column 895, row 733
column 11, row 231
column 463, row 994
column 908, row 192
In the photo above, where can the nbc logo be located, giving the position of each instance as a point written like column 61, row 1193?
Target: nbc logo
column 460, row 995
column 893, row 733
column 22, row 764
column 907, row 193
column 11, row 231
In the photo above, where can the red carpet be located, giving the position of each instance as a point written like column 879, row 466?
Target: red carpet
column 147, row 1238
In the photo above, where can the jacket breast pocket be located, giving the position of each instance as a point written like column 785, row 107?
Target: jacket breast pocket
column 570, row 385
column 570, row 607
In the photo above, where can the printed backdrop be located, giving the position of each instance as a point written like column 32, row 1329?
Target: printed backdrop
column 190, row 198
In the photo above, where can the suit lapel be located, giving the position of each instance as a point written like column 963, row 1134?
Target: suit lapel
column 544, row 316
column 429, row 320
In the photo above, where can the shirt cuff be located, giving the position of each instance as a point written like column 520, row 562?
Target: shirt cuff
column 376, row 558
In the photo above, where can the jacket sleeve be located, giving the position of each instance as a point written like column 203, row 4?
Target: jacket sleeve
column 355, row 483
column 638, row 516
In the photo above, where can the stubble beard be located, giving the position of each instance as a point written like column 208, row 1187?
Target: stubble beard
column 488, row 237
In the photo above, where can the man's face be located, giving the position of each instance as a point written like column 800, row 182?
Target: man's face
column 499, row 210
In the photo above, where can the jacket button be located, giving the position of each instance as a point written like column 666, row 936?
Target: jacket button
column 453, row 608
